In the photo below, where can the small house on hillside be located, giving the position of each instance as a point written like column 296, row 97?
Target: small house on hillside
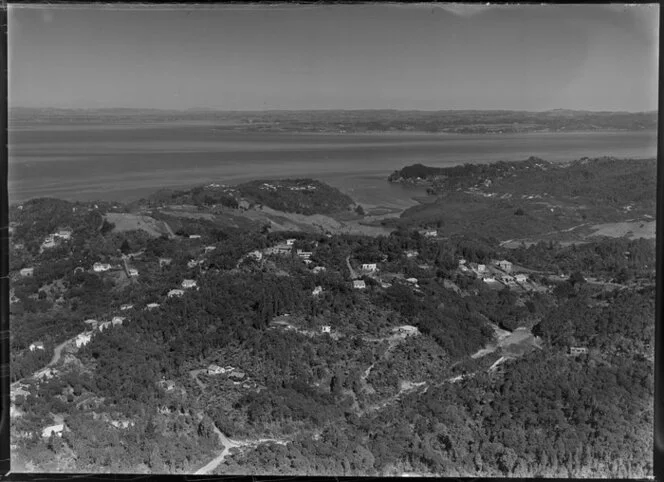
column 207, row 249
column 412, row 281
column 236, row 375
column 326, row 329
column 117, row 320
column 318, row 269
column 188, row 283
column 408, row 330
column 462, row 262
column 411, row 253
column 152, row 306
column 104, row 325
column 100, row 267
column 64, row 234
column 521, row 278
column 290, row 242
column 215, row 370
column 369, row 267
column 481, row 268
column 27, row 272
column 165, row 262
column 194, row 236
column 304, row 254
column 505, row 265
column 432, row 233
column 133, row 272
column 37, row 345
column 82, row 339
column 359, row 284
column 175, row 292
column 126, row 307
column 578, row 350
column 317, row 290
column 257, row 255
column 192, row 263
column 53, row 430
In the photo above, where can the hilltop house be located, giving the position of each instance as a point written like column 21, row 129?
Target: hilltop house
column 126, row 307
column 100, row 267
column 359, row 284
column 37, row 345
column 505, row 265
column 369, row 267
column 82, row 339
column 53, row 430
column 318, row 290
column 27, row 271
column 188, row 283
column 175, row 292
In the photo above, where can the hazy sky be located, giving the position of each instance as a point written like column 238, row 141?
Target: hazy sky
column 335, row 57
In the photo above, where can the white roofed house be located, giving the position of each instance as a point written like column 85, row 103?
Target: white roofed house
column 521, row 278
column 215, row 370
column 175, row 292
column 53, row 430
column 326, row 329
column 126, row 307
column 304, row 254
column 209, row 248
column 369, row 267
column 359, row 284
column 432, row 233
column 152, row 306
column 27, row 272
column 188, row 283
column 290, row 242
column 317, row 290
column 194, row 236
column 64, row 234
column 133, row 272
column 192, row 263
column 318, row 269
column 117, row 320
column 82, row 339
column 100, row 267
column 104, row 325
column 37, row 345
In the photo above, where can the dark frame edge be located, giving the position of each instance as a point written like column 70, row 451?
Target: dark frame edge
column 4, row 248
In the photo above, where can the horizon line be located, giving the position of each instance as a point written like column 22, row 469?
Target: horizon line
column 211, row 110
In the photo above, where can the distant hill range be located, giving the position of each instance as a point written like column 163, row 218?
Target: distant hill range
column 351, row 121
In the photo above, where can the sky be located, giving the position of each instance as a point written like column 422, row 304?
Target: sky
column 362, row 56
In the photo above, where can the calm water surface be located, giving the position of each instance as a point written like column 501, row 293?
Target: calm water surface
column 125, row 163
